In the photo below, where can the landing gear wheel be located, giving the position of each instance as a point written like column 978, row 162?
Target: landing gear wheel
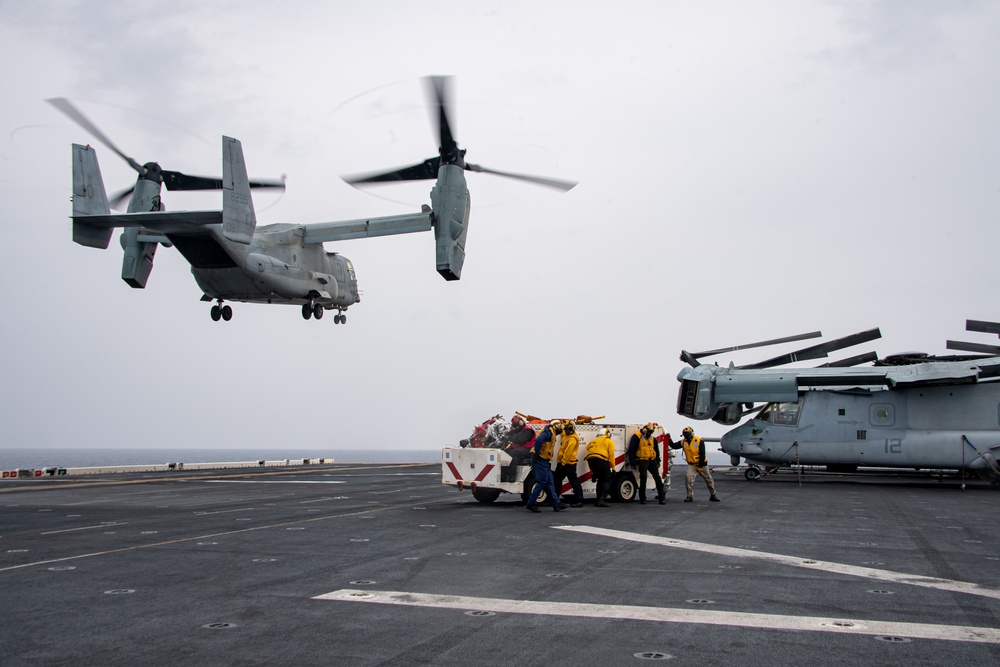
column 307, row 311
column 318, row 311
column 227, row 313
column 624, row 488
column 343, row 319
column 337, row 318
column 752, row 473
column 216, row 313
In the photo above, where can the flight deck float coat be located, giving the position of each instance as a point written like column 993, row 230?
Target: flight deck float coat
column 643, row 449
column 569, row 449
column 603, row 448
column 694, row 452
column 544, row 444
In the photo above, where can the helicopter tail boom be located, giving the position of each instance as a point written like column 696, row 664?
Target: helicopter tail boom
column 89, row 198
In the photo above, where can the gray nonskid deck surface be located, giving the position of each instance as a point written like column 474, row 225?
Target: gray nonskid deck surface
column 382, row 564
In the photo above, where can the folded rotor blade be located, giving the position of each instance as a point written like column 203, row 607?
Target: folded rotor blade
column 77, row 116
column 818, row 351
column 973, row 347
column 764, row 343
column 982, row 327
column 851, row 361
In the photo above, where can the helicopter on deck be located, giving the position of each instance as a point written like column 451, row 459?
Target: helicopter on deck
column 232, row 259
column 913, row 411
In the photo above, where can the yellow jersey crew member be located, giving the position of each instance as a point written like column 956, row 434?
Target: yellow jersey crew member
column 601, row 459
column 697, row 460
column 569, row 448
column 644, row 456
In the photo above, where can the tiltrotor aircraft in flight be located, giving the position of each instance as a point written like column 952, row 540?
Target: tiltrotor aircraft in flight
column 905, row 411
column 232, row 259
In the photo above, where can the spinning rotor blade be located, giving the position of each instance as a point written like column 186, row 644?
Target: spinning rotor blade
column 448, row 151
column 77, row 116
column 555, row 183
column 173, row 180
column 818, row 351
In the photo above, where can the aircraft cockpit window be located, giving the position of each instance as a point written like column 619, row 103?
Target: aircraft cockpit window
column 765, row 413
column 786, row 414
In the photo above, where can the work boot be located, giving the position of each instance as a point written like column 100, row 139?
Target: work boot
column 601, row 503
column 661, row 500
column 533, row 508
column 689, row 499
column 559, row 508
column 714, row 499
column 576, row 504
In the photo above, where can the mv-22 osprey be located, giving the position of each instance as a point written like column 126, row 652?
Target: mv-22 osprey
column 234, row 260
column 904, row 411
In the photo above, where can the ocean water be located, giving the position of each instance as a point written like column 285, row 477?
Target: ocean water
column 11, row 458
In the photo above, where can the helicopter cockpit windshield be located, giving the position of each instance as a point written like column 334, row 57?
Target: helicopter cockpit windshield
column 780, row 414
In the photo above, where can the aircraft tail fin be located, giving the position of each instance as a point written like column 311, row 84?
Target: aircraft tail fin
column 89, row 198
column 238, row 218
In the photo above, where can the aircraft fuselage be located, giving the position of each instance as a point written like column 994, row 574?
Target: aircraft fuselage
column 918, row 427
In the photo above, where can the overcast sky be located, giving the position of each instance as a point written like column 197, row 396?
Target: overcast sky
column 746, row 171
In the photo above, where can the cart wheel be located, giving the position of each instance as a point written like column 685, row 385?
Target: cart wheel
column 623, row 488
column 486, row 495
column 752, row 473
column 529, row 484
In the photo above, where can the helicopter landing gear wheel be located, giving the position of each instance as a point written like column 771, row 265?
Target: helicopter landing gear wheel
column 318, row 311
column 752, row 473
column 307, row 311
column 216, row 313
column 340, row 318
column 227, row 313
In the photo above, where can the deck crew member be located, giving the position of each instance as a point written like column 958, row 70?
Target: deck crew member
column 644, row 455
column 520, row 438
column 601, row 459
column 569, row 448
column 541, row 466
column 697, row 460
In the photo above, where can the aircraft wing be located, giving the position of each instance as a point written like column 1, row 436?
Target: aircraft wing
column 322, row 232
column 167, row 222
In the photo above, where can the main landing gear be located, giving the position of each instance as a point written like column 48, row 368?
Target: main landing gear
column 220, row 312
column 310, row 310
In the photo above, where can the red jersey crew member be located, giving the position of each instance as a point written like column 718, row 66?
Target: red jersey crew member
column 697, row 460
column 644, row 455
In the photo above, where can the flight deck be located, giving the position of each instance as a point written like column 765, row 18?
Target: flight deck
column 377, row 564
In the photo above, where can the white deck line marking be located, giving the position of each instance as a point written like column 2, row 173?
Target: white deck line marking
column 807, row 563
column 70, row 530
column 272, row 481
column 841, row 626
